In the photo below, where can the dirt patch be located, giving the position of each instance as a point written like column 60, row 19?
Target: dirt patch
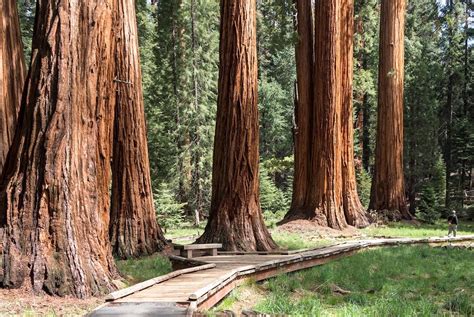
column 19, row 302
column 312, row 229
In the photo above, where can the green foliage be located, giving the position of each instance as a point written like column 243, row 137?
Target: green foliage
column 273, row 201
column 365, row 78
column 423, row 73
column 364, row 183
column 170, row 213
column 428, row 208
column 277, row 75
column 182, row 98
column 457, row 114
column 145, row 268
column 26, row 12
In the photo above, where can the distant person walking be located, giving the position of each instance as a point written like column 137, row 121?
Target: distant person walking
column 453, row 223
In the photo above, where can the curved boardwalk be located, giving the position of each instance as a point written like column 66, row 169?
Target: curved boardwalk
column 182, row 292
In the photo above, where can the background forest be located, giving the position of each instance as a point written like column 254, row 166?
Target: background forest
column 179, row 43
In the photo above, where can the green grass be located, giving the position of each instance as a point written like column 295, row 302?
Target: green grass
column 145, row 268
column 400, row 229
column 401, row 281
column 184, row 232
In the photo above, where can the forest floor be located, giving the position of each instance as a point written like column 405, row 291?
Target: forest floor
column 291, row 237
column 18, row 302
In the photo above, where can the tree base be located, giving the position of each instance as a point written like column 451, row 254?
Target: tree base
column 252, row 236
column 390, row 215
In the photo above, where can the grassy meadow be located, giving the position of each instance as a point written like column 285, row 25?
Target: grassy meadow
column 399, row 281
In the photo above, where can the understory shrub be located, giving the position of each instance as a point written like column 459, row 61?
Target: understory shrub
column 428, row 209
column 169, row 212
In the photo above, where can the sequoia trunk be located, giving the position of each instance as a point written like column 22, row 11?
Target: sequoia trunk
column 353, row 209
column 303, row 104
column 56, row 228
column 388, row 192
column 12, row 74
column 235, row 218
column 329, row 187
column 134, row 230
column 326, row 197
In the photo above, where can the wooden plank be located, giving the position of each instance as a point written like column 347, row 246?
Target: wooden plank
column 146, row 284
column 219, row 282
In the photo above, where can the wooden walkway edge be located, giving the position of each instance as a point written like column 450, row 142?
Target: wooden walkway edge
column 182, row 292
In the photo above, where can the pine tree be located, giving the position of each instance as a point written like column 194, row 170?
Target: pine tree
column 366, row 29
column 423, row 74
column 182, row 103
column 457, row 115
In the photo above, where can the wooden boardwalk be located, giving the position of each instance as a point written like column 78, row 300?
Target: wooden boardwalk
column 183, row 292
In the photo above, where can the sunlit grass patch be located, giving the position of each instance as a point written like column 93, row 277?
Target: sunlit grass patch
column 402, row 229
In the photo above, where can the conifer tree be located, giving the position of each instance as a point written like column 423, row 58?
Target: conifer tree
column 388, row 189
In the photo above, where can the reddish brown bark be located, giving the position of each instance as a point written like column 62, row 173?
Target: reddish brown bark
column 304, row 104
column 56, row 227
column 235, row 218
column 330, row 188
column 326, row 192
column 388, row 192
column 134, row 230
column 12, row 74
column 353, row 209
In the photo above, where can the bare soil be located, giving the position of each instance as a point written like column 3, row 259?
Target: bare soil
column 312, row 229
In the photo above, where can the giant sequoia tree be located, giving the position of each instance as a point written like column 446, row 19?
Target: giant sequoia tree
column 133, row 227
column 12, row 74
column 304, row 104
column 327, row 193
column 388, row 192
column 235, row 218
column 353, row 209
column 56, row 227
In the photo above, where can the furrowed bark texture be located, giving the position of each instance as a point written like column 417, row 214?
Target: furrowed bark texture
column 330, row 188
column 304, row 104
column 56, row 228
column 134, row 230
column 12, row 75
column 235, row 217
column 326, row 191
column 388, row 192
column 353, row 209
